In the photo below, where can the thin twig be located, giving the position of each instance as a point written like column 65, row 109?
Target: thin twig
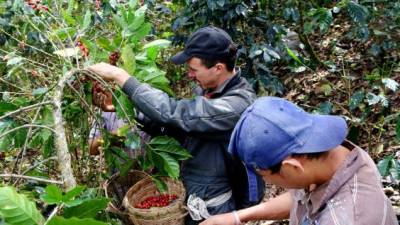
column 54, row 212
column 32, row 178
column 31, row 46
column 21, row 155
column 26, row 126
column 39, row 163
column 27, row 108
column 12, row 85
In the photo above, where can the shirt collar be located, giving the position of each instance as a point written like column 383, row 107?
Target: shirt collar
column 324, row 192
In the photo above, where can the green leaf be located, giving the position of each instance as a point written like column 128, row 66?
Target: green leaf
column 52, row 195
column 293, row 55
column 105, row 44
column 73, row 193
column 87, row 20
column 325, row 108
column 141, row 11
column 170, row 164
column 7, row 107
column 17, row 209
column 136, row 23
column 133, row 4
column 357, row 12
column 169, row 145
column 356, row 99
column 141, row 33
column 160, row 43
column 132, row 141
column 123, row 105
column 87, row 209
column 68, row 18
column 120, row 22
column 64, row 33
column 57, row 220
column 163, row 140
column 385, row 164
column 128, row 59
column 160, row 184
column 324, row 18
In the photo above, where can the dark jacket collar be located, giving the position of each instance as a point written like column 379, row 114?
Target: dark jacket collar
column 225, row 86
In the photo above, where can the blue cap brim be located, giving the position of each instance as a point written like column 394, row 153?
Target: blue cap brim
column 180, row 58
column 251, row 176
column 319, row 139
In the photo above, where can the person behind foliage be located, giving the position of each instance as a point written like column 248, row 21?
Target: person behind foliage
column 109, row 122
column 330, row 180
column 203, row 124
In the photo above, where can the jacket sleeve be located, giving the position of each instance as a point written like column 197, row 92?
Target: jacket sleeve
column 191, row 115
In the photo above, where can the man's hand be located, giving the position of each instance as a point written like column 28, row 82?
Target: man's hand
column 110, row 73
column 102, row 98
column 221, row 219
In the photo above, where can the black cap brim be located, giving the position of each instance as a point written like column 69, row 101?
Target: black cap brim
column 180, row 58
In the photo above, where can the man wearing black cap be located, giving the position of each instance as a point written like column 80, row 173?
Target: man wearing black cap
column 202, row 124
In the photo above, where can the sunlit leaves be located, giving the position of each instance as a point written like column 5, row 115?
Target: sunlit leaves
column 87, row 208
column 54, row 195
column 17, row 209
column 86, row 20
column 128, row 59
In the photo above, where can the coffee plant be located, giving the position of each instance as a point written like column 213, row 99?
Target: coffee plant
column 47, row 112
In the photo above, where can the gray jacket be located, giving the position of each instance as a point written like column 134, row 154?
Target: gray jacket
column 203, row 125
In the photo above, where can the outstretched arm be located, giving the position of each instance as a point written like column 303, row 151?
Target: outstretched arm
column 277, row 208
column 191, row 115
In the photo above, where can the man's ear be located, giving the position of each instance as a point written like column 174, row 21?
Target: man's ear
column 294, row 163
column 220, row 67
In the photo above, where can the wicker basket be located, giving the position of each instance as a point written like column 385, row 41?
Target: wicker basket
column 116, row 187
column 173, row 214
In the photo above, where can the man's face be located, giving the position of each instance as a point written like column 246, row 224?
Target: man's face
column 206, row 78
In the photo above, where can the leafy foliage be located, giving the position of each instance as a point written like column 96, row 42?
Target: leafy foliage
column 164, row 153
column 18, row 209
column 74, row 221
column 389, row 166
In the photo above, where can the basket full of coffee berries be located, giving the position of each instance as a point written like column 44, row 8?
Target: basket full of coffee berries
column 147, row 206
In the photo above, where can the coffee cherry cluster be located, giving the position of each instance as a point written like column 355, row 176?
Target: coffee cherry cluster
column 36, row 5
column 84, row 50
column 156, row 201
column 98, row 88
column 113, row 58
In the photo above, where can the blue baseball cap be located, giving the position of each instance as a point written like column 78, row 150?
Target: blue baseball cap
column 206, row 43
column 272, row 128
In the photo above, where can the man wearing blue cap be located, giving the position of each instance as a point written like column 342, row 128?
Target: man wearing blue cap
column 330, row 180
column 203, row 124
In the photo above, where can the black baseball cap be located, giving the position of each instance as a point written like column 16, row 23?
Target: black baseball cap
column 206, row 43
